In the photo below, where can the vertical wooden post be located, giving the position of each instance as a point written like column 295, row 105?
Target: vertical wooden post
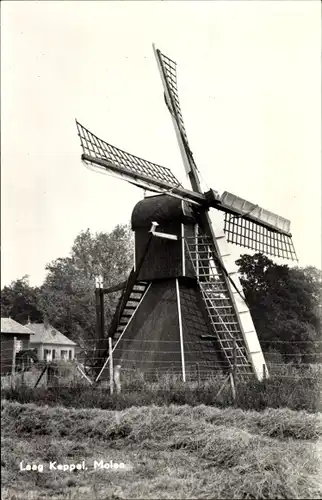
column 102, row 338
column 13, row 364
column 232, row 386
column 98, row 312
column 102, row 313
column 110, row 355
column 234, row 370
column 117, row 378
column 99, row 304
column 264, row 372
column 183, row 255
column 14, row 348
column 198, row 374
column 180, row 332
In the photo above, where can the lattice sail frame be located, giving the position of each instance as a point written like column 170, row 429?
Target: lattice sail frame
column 246, row 233
column 169, row 69
column 97, row 148
column 168, row 72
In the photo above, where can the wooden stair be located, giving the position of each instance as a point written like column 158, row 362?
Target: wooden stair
column 130, row 308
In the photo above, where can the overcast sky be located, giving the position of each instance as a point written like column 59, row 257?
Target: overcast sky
column 249, row 83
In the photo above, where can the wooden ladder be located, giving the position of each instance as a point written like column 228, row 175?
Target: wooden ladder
column 227, row 309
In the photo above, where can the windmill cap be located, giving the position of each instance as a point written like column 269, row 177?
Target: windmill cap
column 161, row 209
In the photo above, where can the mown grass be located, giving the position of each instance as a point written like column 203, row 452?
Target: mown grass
column 169, row 452
column 297, row 392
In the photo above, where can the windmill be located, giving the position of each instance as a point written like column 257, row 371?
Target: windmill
column 183, row 303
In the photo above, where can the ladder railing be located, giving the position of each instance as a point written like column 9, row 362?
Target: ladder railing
column 128, row 301
column 219, row 306
column 136, row 296
column 129, row 308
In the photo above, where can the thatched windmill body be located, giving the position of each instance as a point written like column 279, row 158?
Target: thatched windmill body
column 183, row 304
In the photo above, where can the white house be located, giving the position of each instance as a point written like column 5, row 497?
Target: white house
column 50, row 343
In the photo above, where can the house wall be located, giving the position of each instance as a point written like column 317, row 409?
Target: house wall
column 42, row 348
column 7, row 349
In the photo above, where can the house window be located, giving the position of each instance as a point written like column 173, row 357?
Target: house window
column 18, row 345
column 63, row 355
column 70, row 354
column 54, row 354
column 47, row 354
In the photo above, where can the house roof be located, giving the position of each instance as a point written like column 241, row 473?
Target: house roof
column 47, row 334
column 8, row 325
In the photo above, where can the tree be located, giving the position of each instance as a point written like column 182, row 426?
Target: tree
column 67, row 296
column 285, row 305
column 19, row 300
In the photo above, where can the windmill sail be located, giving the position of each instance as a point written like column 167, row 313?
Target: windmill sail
column 137, row 171
column 168, row 72
column 251, row 226
column 249, row 234
column 245, row 224
column 97, row 148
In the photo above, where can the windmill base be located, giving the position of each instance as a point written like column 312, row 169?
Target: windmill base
column 167, row 335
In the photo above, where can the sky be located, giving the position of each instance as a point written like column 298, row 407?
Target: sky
column 249, row 78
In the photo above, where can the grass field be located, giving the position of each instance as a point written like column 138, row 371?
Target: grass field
column 167, row 452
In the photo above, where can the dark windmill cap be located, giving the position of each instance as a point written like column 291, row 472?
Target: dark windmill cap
column 162, row 209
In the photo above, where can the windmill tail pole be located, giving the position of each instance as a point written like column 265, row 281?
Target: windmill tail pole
column 98, row 312
column 102, row 315
column 99, row 305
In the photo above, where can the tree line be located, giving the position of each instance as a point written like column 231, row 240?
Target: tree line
column 285, row 302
